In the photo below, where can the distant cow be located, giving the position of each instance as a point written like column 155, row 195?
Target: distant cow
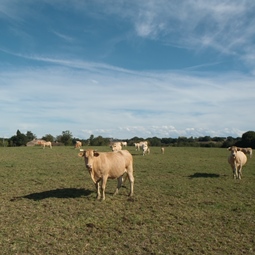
column 78, row 145
column 145, row 149
column 47, row 144
column 162, row 150
column 237, row 160
column 124, row 144
column 137, row 146
column 140, row 144
column 104, row 165
column 247, row 151
column 116, row 146
column 39, row 142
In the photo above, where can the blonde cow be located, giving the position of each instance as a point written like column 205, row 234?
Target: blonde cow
column 145, row 149
column 137, row 146
column 116, row 146
column 237, row 160
column 78, row 145
column 247, row 151
column 104, row 165
column 124, row 144
column 162, row 150
column 140, row 144
column 47, row 144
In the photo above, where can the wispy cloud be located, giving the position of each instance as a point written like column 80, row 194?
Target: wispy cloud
column 165, row 102
column 51, row 90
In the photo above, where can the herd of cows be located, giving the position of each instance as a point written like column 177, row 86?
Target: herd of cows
column 119, row 162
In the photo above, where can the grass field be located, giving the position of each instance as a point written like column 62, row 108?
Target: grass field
column 185, row 202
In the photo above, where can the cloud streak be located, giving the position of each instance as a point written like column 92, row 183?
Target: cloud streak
column 53, row 82
column 124, row 104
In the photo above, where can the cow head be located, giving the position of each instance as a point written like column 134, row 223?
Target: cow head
column 88, row 157
column 233, row 150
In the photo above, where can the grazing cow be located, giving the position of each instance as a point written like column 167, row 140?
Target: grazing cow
column 162, row 150
column 104, row 165
column 246, row 151
column 78, row 145
column 237, row 160
column 47, row 144
column 116, row 146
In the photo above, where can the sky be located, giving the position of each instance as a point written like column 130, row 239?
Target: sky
column 126, row 68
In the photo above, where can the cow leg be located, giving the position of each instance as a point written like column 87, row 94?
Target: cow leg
column 104, row 181
column 98, row 189
column 234, row 172
column 240, row 172
column 118, row 185
column 131, row 180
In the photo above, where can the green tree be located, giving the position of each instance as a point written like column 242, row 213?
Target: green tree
column 66, row 138
column 19, row 139
column 30, row 136
column 48, row 138
column 248, row 140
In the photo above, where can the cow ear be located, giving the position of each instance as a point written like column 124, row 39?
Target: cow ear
column 81, row 154
column 96, row 154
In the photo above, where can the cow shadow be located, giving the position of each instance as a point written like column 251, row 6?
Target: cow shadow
column 56, row 193
column 203, row 175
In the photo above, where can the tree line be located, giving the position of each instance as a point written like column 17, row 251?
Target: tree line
column 67, row 139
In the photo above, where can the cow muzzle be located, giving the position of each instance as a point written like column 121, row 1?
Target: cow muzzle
column 89, row 166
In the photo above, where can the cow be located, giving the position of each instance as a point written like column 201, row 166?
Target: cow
column 137, row 146
column 237, row 160
column 78, row 145
column 246, row 151
column 145, row 149
column 39, row 142
column 162, row 150
column 104, row 165
column 46, row 144
column 116, row 146
column 140, row 144
column 124, row 144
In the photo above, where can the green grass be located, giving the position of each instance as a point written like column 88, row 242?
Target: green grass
column 185, row 202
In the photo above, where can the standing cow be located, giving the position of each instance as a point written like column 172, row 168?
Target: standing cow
column 104, row 165
column 237, row 160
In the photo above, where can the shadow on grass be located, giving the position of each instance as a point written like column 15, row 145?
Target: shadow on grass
column 56, row 193
column 203, row 175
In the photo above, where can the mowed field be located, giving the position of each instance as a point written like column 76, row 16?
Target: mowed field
column 185, row 202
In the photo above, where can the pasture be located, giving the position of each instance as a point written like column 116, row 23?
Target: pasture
column 185, row 202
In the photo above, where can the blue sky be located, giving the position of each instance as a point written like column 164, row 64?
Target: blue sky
column 125, row 68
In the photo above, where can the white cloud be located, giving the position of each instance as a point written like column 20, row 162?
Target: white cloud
column 85, row 97
column 50, row 100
